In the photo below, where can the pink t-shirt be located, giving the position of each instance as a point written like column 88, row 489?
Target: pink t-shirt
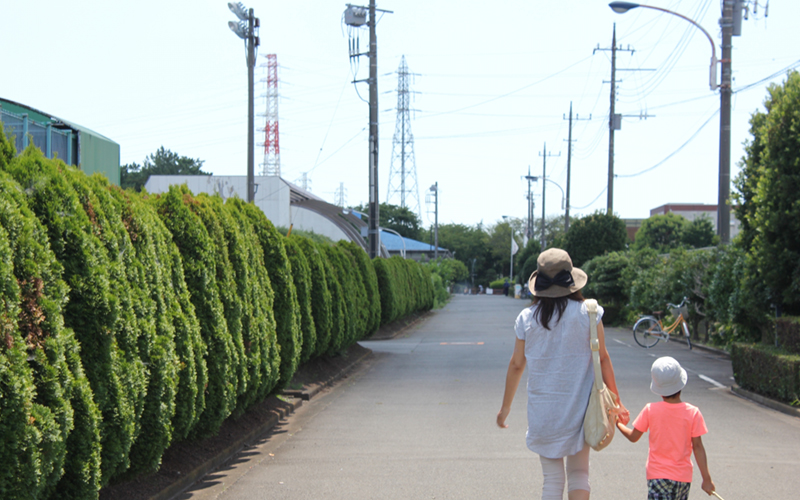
column 672, row 427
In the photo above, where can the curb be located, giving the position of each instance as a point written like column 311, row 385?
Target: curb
column 712, row 350
column 769, row 403
column 307, row 394
column 284, row 410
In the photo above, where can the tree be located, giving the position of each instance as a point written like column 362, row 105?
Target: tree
column 662, row 233
column 773, row 161
column 397, row 218
column 594, row 235
column 468, row 244
column 699, row 233
column 162, row 162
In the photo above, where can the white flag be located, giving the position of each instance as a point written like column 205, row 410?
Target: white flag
column 514, row 246
column 524, row 241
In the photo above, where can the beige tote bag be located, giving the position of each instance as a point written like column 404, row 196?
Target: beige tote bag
column 599, row 423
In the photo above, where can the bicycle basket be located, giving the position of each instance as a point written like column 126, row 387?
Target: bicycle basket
column 680, row 310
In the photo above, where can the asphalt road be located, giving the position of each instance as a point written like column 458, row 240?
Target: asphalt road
column 418, row 422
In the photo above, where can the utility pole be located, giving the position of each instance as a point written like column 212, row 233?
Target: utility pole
column 569, row 163
column 723, row 210
column 544, row 156
column 614, row 120
column 355, row 16
column 435, row 190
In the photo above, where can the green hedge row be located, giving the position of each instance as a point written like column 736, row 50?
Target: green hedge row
column 405, row 287
column 767, row 371
column 129, row 322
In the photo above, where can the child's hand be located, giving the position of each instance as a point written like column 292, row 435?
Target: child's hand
column 708, row 486
column 623, row 414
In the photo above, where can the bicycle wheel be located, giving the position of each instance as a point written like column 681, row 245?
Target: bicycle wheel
column 647, row 332
column 688, row 336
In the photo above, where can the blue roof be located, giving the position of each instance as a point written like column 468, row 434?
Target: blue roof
column 394, row 243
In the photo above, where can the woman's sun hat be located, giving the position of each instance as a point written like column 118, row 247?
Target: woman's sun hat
column 554, row 275
column 668, row 375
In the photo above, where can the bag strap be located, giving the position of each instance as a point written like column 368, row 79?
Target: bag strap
column 591, row 307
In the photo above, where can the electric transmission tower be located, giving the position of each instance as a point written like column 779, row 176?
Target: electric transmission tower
column 403, row 169
column 272, row 151
column 340, row 197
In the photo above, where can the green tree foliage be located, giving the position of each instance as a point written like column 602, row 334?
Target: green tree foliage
column 525, row 260
column 400, row 219
column 449, row 270
column 357, row 291
column 253, row 292
column 773, row 160
column 279, row 269
column 662, row 232
column 699, row 233
column 370, row 281
column 93, row 310
column 175, row 353
column 468, row 244
column 321, row 300
column 301, row 275
column 608, row 283
column 339, row 310
column 594, row 235
column 197, row 251
column 162, row 162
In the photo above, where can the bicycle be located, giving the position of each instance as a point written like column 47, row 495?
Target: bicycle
column 648, row 330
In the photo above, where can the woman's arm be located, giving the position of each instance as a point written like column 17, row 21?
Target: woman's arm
column 516, row 367
column 607, row 369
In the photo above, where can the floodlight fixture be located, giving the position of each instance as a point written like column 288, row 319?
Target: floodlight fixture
column 239, row 9
column 239, row 28
column 623, row 7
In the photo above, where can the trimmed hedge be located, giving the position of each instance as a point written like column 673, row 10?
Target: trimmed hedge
column 93, row 310
column 788, row 332
column 767, row 371
column 129, row 321
column 301, row 275
column 199, row 265
column 321, row 299
column 405, row 287
column 279, row 269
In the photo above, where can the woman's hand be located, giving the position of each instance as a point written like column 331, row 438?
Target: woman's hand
column 501, row 417
column 623, row 415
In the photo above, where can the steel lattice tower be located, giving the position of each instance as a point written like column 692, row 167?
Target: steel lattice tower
column 403, row 177
column 272, row 151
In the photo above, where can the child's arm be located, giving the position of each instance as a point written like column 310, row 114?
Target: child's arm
column 633, row 435
column 702, row 464
column 515, row 369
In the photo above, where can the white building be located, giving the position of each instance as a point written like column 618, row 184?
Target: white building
column 284, row 204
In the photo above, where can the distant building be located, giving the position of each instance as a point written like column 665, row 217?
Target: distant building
column 692, row 211
column 417, row 250
column 56, row 137
column 282, row 202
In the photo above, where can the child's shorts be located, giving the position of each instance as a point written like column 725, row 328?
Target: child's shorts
column 667, row 489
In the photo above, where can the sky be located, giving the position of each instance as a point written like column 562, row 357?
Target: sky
column 492, row 84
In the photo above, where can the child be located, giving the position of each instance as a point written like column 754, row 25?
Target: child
column 675, row 429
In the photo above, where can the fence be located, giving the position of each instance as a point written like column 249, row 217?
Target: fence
column 52, row 141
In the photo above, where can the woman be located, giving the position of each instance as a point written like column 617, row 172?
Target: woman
column 553, row 340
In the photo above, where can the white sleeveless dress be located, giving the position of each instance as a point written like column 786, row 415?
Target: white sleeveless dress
column 560, row 378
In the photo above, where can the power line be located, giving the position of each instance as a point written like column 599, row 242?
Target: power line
column 674, row 152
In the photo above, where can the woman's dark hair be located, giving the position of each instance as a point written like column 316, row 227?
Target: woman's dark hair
column 549, row 305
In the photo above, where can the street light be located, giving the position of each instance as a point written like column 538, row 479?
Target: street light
column 535, row 178
column 723, row 211
column 246, row 30
column 398, row 234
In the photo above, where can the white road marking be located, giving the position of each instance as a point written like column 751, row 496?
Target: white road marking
column 711, row 381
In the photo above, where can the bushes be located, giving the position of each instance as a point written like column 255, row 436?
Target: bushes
column 767, row 371
column 404, row 286
column 129, row 322
column 788, row 333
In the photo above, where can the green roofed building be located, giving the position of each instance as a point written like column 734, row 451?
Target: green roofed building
column 56, row 137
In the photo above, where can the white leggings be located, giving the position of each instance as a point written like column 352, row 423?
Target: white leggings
column 577, row 474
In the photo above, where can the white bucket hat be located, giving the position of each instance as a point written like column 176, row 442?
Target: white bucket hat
column 668, row 376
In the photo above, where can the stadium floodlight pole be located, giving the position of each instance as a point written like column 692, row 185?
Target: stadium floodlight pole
column 723, row 210
column 246, row 30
